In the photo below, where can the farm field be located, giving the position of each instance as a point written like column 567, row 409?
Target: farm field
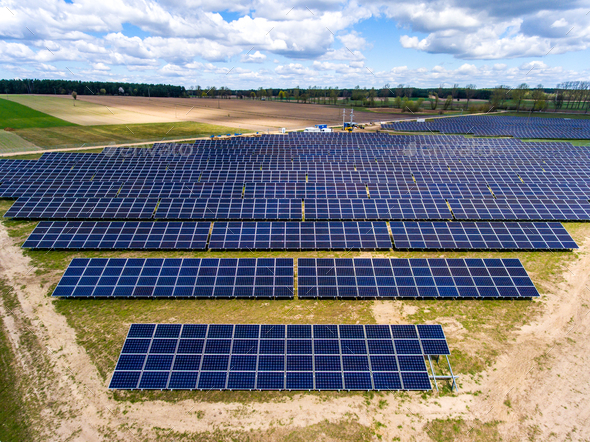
column 17, row 116
column 77, row 136
column 84, row 113
column 10, row 142
column 241, row 114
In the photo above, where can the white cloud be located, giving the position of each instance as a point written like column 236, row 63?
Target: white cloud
column 256, row 57
column 186, row 40
column 100, row 67
column 353, row 41
column 559, row 23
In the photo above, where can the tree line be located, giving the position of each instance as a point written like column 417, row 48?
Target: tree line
column 569, row 95
column 67, row 87
column 572, row 95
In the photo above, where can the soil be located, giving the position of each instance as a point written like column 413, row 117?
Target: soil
column 248, row 114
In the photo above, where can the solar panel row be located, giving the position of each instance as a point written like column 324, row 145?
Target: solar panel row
column 502, row 126
column 413, row 278
column 177, row 278
column 277, row 357
column 292, row 209
column 429, row 186
column 377, row 209
column 158, row 235
column 348, row 235
column 481, row 235
column 299, row 236
column 273, row 278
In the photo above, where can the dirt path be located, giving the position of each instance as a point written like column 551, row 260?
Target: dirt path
column 547, row 395
column 545, row 375
column 539, row 387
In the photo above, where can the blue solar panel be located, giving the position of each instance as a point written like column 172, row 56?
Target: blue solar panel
column 170, row 277
column 413, row 278
column 276, row 357
column 492, row 125
column 377, row 209
column 119, row 235
column 481, row 235
column 299, row 236
column 520, row 209
column 82, row 208
column 228, row 209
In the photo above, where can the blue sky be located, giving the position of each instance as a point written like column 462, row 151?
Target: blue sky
column 263, row 43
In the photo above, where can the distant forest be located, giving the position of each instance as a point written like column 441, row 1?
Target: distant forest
column 66, row 87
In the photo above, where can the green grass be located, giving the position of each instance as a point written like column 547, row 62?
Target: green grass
column 77, row 136
column 11, row 142
column 451, row 430
column 36, row 156
column 17, row 116
column 12, row 413
column 347, row 429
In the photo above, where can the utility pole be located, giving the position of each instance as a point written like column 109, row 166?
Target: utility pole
column 343, row 117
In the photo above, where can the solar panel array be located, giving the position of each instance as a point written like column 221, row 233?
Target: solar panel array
column 119, row 235
column 177, row 278
column 367, row 278
column 492, row 125
column 309, row 177
column 277, row 357
column 475, row 236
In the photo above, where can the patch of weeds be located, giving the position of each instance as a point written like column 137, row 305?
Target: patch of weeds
column 451, row 430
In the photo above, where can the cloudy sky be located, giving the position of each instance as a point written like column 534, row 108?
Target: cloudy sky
column 286, row 43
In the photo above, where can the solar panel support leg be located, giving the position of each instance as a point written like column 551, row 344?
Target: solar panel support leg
column 433, row 373
column 454, row 383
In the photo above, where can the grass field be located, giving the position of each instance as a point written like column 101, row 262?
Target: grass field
column 77, row 136
column 16, row 116
column 10, row 142
column 83, row 112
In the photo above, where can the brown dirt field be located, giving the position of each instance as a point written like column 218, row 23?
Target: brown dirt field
column 247, row 114
column 537, row 389
column 250, row 114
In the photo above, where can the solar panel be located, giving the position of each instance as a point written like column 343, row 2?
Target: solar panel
column 229, row 209
column 481, row 235
column 520, row 209
column 277, row 357
column 82, row 208
column 103, row 235
column 177, row 278
column 377, row 209
column 360, row 278
column 299, row 236
column 492, row 125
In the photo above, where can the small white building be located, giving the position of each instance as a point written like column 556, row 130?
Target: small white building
column 318, row 128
